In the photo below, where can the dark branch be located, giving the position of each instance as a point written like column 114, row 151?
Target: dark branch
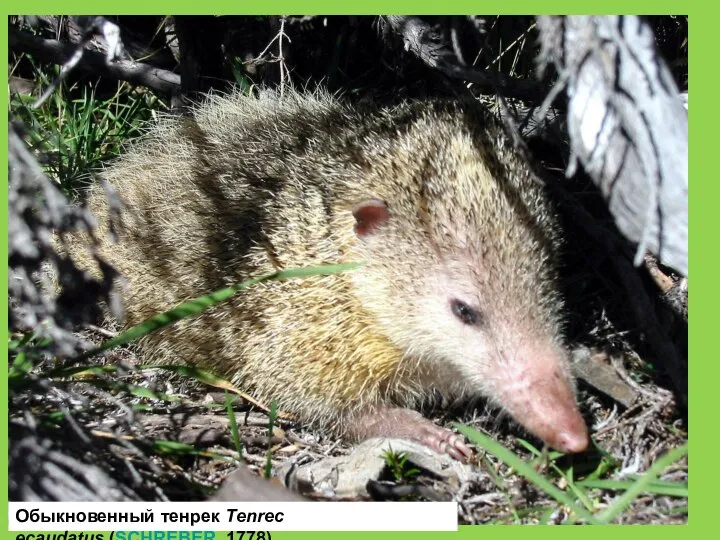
column 51, row 50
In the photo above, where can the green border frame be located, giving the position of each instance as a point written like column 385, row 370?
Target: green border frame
column 704, row 486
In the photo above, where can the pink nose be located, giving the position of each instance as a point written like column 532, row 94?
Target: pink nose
column 538, row 393
column 548, row 410
column 572, row 441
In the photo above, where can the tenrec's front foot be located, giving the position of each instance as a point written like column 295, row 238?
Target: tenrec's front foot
column 411, row 425
column 443, row 441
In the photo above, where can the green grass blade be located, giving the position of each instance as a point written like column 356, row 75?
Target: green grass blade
column 672, row 489
column 272, row 417
column 147, row 393
column 198, row 305
column 546, row 515
column 676, row 511
column 176, row 448
column 551, row 457
column 641, row 485
column 526, row 470
column 80, row 371
column 198, row 374
column 233, row 424
column 21, row 366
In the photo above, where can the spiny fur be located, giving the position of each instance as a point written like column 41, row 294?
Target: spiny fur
column 247, row 185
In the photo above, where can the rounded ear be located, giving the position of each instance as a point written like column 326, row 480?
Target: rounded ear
column 369, row 215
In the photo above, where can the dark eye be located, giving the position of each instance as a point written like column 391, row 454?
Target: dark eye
column 465, row 313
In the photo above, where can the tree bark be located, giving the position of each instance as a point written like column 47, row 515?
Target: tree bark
column 628, row 127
